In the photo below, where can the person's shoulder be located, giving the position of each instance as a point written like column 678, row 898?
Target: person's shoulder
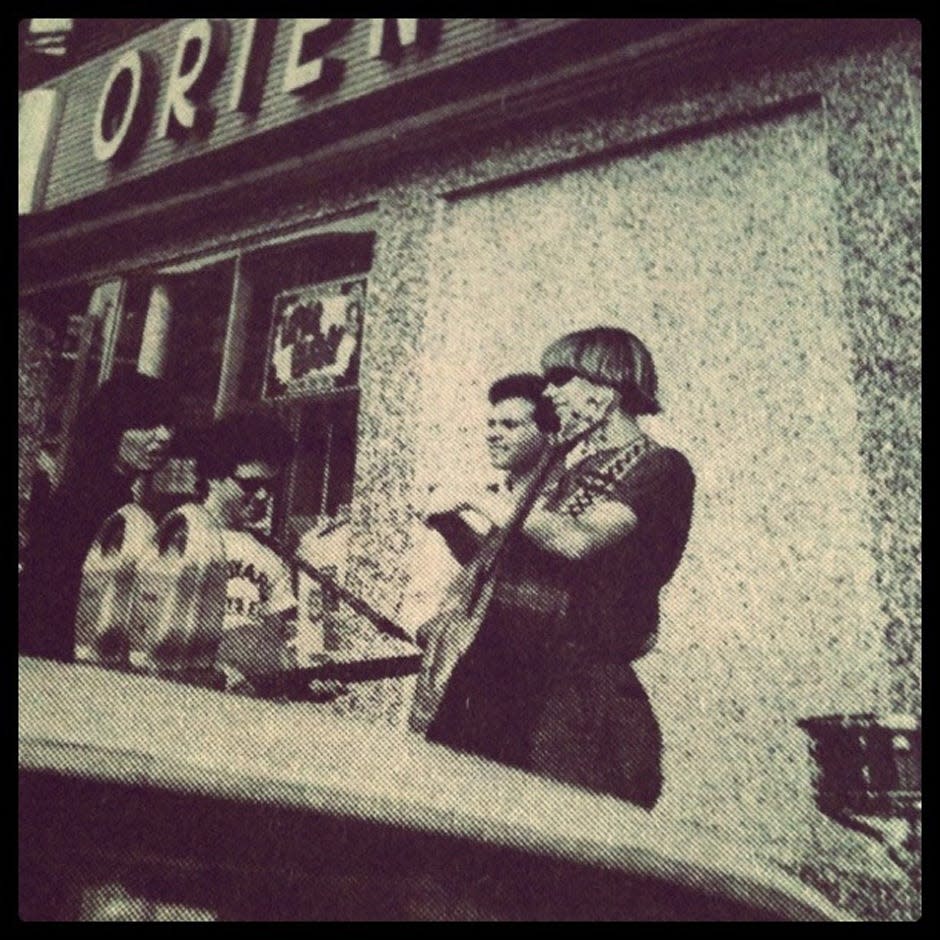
column 671, row 459
column 670, row 468
column 250, row 547
column 657, row 466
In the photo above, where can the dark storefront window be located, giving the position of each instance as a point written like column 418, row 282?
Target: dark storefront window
column 322, row 479
column 303, row 333
column 130, row 329
column 200, row 305
column 277, row 330
column 174, row 326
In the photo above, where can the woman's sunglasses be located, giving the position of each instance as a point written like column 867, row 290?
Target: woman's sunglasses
column 562, row 375
column 559, row 375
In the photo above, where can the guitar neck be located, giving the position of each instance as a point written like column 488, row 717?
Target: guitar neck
column 358, row 604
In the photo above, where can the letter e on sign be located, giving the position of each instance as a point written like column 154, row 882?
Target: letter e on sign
column 200, row 54
column 312, row 37
column 121, row 116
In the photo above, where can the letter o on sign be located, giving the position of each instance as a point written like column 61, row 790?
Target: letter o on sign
column 120, row 119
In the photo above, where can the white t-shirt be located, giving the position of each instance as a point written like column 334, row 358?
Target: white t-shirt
column 432, row 566
column 258, row 584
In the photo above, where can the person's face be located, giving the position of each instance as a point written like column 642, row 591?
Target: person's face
column 579, row 403
column 512, row 436
column 143, row 450
column 243, row 497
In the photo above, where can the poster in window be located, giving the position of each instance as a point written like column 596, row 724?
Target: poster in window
column 315, row 336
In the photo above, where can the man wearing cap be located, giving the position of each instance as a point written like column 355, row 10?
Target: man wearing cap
column 536, row 672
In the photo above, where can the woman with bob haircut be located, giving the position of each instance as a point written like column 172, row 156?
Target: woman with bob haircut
column 535, row 670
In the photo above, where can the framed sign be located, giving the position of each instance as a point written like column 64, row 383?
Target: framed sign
column 315, row 337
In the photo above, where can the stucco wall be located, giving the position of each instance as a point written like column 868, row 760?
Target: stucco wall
column 772, row 264
column 719, row 253
column 874, row 125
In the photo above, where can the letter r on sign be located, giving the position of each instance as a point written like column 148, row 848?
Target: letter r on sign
column 200, row 53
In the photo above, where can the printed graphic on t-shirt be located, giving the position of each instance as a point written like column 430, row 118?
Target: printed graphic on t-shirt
column 258, row 582
column 247, row 591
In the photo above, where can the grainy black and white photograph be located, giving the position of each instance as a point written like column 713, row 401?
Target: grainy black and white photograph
column 469, row 470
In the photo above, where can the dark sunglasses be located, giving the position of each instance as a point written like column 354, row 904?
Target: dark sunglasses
column 251, row 485
column 559, row 375
column 562, row 375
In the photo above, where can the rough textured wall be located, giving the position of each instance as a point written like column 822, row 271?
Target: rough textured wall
column 383, row 500
column 863, row 134
column 33, row 359
column 386, row 457
column 874, row 113
column 720, row 254
column 832, row 428
column 870, row 139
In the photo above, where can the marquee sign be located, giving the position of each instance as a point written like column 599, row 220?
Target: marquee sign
column 192, row 88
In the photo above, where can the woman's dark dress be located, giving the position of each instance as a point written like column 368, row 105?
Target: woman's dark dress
column 553, row 690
